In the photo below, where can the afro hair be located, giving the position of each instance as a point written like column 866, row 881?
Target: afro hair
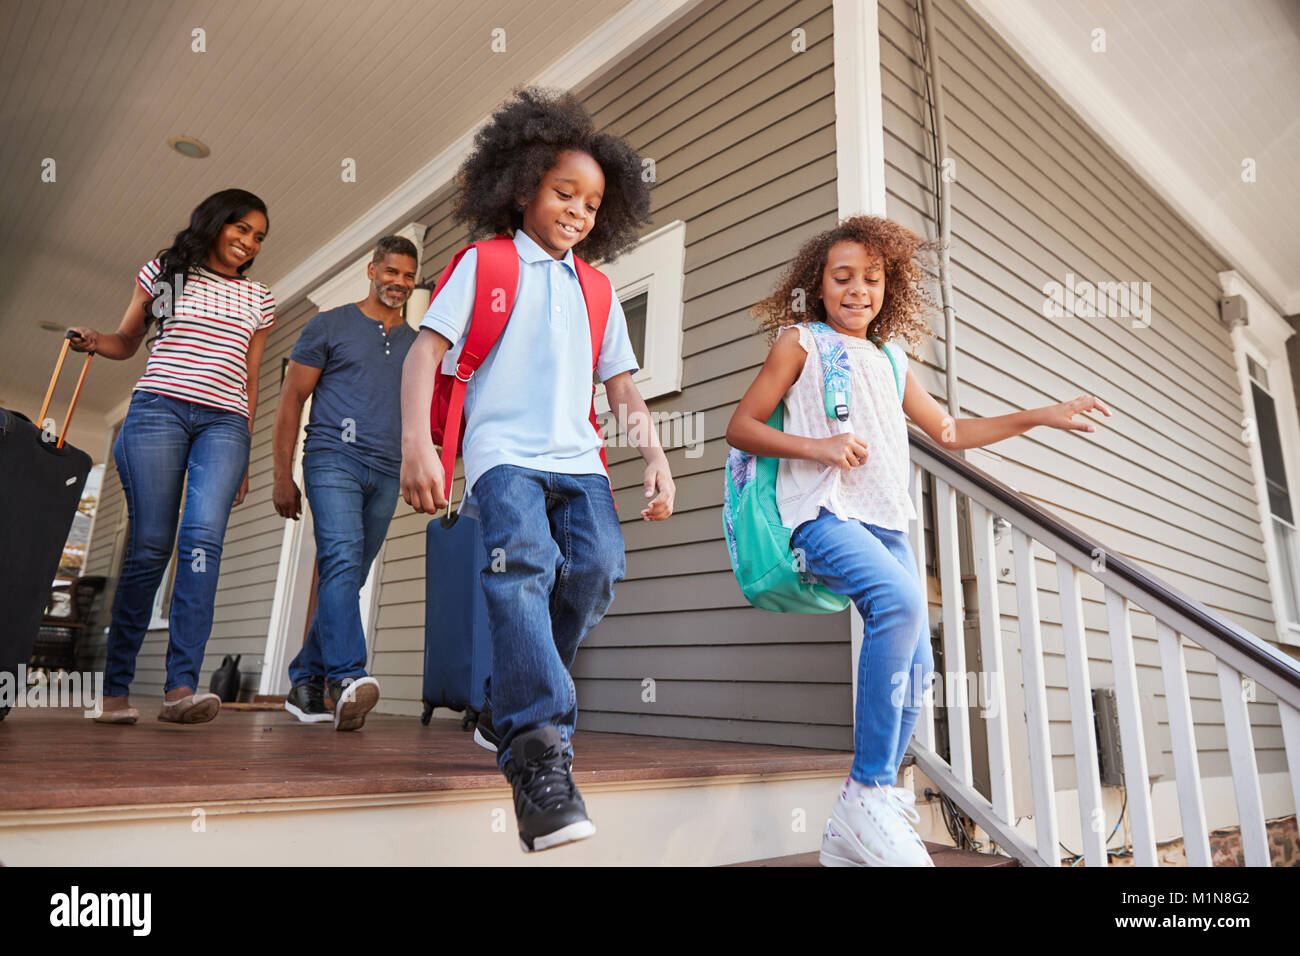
column 516, row 148
column 907, row 305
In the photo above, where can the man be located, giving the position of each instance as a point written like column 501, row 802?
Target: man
column 349, row 360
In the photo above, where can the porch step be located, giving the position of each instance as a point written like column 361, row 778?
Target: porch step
column 257, row 787
column 942, row 856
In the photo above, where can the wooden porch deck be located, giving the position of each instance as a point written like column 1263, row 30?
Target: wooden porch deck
column 396, row 793
column 56, row 758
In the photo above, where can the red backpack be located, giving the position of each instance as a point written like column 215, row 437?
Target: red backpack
column 496, row 283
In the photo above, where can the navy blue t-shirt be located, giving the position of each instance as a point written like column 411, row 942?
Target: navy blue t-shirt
column 356, row 407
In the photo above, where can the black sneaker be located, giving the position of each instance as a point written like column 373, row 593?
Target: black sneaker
column 307, row 701
column 485, row 735
column 548, row 807
column 353, row 698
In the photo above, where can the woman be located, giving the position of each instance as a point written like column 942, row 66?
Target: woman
column 188, row 428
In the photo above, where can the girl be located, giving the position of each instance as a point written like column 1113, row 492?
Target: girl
column 842, row 489
column 190, row 418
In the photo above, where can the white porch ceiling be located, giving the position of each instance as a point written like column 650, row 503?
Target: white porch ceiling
column 1187, row 90
column 284, row 92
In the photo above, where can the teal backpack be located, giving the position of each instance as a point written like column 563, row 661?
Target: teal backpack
column 771, row 577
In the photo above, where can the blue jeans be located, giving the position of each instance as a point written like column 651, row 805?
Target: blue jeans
column 555, row 551
column 351, row 506
column 162, row 442
column 874, row 567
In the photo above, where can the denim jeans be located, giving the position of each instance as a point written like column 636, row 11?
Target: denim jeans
column 351, row 507
column 555, row 551
column 874, row 567
column 162, row 442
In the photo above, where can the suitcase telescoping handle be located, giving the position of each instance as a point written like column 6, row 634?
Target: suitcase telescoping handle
column 49, row 392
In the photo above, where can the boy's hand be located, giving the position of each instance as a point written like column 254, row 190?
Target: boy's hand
column 1062, row 415
column 659, row 484
column 423, row 482
column 841, row 451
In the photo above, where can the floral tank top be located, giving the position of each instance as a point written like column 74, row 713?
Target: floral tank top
column 875, row 492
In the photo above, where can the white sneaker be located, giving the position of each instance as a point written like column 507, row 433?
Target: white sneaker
column 359, row 696
column 874, row 830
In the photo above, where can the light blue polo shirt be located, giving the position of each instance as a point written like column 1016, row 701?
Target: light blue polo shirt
column 528, row 403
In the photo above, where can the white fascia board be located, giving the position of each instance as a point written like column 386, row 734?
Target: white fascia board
column 1027, row 30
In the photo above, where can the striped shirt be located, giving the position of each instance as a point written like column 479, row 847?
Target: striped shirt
column 201, row 352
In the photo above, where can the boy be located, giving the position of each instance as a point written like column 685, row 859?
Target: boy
column 532, row 460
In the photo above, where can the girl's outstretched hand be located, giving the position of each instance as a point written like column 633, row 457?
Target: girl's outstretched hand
column 841, row 451
column 1062, row 415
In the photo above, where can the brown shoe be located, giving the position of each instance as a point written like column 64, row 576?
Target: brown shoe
column 194, row 709
column 124, row 715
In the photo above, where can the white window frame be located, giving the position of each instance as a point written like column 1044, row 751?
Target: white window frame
column 1263, row 339
column 657, row 267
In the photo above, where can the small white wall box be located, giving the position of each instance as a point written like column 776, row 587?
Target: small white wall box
column 1232, row 311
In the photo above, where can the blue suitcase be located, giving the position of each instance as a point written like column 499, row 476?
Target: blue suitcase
column 457, row 645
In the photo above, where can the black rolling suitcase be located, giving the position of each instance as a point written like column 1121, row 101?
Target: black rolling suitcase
column 457, row 645
column 40, row 485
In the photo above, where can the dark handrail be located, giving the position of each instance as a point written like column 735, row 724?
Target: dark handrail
column 1160, row 593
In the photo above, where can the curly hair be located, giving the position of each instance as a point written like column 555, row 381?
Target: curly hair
column 906, row 306
column 516, row 148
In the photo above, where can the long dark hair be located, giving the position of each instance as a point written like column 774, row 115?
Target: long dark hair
column 189, row 250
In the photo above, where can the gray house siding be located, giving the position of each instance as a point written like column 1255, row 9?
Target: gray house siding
column 1167, row 480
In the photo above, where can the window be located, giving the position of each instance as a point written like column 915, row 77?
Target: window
column 648, row 282
column 1269, row 436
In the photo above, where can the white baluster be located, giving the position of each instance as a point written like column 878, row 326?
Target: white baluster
column 1137, row 785
column 1091, row 816
column 1182, row 733
column 954, row 639
column 924, row 732
column 1291, row 741
column 1031, row 664
column 1245, row 771
column 994, row 708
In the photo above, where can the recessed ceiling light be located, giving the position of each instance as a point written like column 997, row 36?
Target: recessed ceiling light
column 188, row 146
column 52, row 327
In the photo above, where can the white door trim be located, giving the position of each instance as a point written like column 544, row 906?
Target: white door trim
column 859, row 157
column 859, row 112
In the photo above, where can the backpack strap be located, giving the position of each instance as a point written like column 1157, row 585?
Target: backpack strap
column 496, row 282
column 893, row 364
column 598, row 294
column 837, row 374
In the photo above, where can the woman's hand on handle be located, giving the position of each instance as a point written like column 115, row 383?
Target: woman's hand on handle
column 1063, row 415
column 82, row 339
column 423, row 482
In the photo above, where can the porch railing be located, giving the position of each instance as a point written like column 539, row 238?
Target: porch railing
column 1238, row 654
